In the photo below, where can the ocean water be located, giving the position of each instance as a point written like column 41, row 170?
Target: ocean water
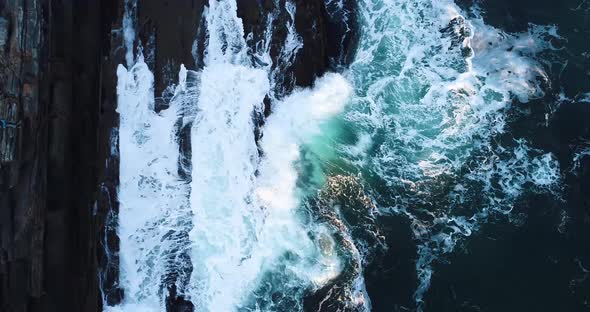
column 426, row 129
column 370, row 191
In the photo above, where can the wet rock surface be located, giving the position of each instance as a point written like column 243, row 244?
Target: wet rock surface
column 343, row 29
column 329, row 34
column 167, row 30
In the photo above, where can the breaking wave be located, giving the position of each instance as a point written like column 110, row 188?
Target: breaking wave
column 416, row 127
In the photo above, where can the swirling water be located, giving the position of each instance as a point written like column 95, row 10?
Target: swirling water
column 433, row 94
column 416, row 127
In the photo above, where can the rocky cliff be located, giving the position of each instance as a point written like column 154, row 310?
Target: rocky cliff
column 59, row 168
column 57, row 81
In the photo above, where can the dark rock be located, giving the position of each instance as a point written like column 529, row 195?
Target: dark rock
column 51, row 77
column 312, row 59
column 167, row 31
column 343, row 32
column 329, row 35
column 175, row 303
column 22, row 168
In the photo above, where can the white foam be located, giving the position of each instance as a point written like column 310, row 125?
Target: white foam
column 433, row 91
column 440, row 102
column 152, row 197
column 241, row 221
column 225, row 156
column 239, row 234
column 129, row 30
column 294, row 122
column 245, row 213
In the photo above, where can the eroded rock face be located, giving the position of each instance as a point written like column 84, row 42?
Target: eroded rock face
column 22, row 183
column 167, row 30
column 327, row 28
column 52, row 55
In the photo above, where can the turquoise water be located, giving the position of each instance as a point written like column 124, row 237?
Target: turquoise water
column 415, row 133
column 425, row 129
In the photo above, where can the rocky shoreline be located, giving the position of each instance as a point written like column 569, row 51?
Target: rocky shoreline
column 59, row 170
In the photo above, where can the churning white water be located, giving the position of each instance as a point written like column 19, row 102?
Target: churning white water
column 420, row 115
column 238, row 217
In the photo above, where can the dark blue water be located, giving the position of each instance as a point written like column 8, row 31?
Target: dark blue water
column 541, row 261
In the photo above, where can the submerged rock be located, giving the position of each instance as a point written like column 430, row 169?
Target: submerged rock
column 344, row 205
